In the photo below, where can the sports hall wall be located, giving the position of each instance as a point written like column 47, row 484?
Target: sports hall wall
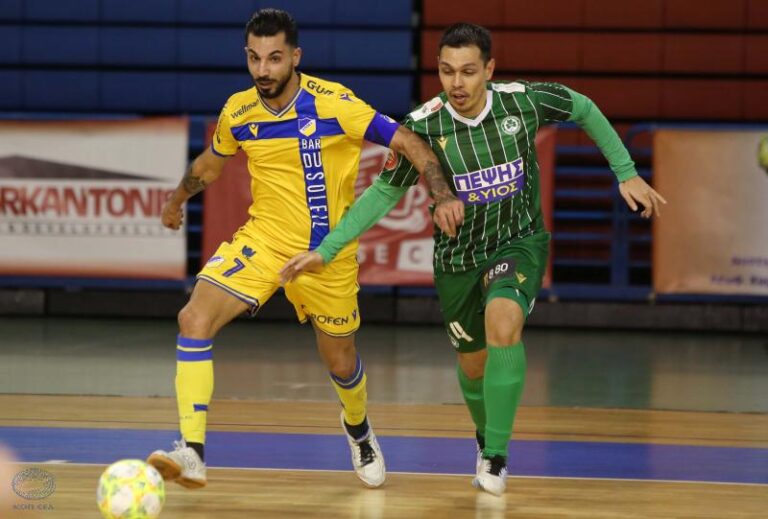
column 646, row 63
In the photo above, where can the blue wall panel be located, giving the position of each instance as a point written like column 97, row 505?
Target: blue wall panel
column 208, row 12
column 60, row 45
column 60, row 90
column 10, row 50
column 139, row 91
column 372, row 49
column 60, row 10
column 388, row 94
column 207, row 93
column 11, row 11
column 153, row 11
column 363, row 13
column 138, row 46
column 306, row 13
column 212, row 47
column 317, row 48
column 10, row 90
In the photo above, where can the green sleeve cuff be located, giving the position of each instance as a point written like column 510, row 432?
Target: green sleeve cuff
column 375, row 202
column 587, row 115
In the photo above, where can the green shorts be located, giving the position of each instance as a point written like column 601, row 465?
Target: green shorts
column 515, row 271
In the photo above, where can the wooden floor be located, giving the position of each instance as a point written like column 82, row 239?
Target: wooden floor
column 257, row 493
column 646, row 402
column 278, row 494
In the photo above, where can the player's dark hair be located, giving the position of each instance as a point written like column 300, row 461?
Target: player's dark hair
column 465, row 35
column 269, row 22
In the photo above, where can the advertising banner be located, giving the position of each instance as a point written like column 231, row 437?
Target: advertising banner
column 83, row 198
column 712, row 237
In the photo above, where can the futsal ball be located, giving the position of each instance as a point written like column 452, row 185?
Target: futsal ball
column 130, row 489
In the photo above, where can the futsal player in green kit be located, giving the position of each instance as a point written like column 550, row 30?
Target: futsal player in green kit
column 488, row 275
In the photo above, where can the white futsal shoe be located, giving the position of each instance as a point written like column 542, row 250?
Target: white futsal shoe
column 493, row 476
column 181, row 465
column 367, row 459
column 478, row 459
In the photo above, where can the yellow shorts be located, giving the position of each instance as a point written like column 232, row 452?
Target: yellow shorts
column 249, row 270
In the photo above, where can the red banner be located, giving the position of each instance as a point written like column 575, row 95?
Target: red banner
column 397, row 250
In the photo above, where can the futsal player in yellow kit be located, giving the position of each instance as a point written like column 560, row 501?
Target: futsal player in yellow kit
column 303, row 138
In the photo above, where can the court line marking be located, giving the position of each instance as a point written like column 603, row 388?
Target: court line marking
column 511, row 476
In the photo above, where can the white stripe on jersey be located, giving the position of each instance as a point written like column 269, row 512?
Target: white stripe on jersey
column 556, row 108
column 551, row 94
column 528, row 140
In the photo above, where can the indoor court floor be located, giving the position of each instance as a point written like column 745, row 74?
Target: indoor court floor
column 613, row 424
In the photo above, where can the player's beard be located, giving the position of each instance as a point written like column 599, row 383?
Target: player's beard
column 276, row 89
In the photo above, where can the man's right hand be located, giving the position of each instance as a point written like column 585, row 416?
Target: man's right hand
column 172, row 215
column 449, row 215
column 305, row 261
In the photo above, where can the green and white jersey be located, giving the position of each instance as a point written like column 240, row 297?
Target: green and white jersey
column 490, row 163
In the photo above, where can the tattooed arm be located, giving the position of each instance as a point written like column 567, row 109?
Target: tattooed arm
column 449, row 211
column 205, row 169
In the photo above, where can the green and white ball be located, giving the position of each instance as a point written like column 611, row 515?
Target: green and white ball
column 130, row 489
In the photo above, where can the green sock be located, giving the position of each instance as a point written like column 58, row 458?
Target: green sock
column 473, row 396
column 503, row 385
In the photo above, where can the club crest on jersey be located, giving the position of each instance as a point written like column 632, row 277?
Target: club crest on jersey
column 254, row 129
column 510, row 125
column 491, row 184
column 307, row 126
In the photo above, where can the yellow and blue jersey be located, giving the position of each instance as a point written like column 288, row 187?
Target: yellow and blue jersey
column 303, row 161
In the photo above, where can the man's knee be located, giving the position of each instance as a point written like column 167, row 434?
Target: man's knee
column 504, row 322
column 194, row 323
column 338, row 353
column 473, row 364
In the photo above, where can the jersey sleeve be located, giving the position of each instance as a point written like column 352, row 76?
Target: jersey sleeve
column 553, row 101
column 224, row 143
column 360, row 121
column 398, row 170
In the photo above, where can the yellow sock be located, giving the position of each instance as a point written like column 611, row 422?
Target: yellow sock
column 194, row 386
column 352, row 394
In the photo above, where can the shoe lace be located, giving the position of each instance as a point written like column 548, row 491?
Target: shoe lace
column 367, row 454
column 179, row 444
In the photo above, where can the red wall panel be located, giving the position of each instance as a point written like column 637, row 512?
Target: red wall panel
column 705, row 14
column 540, row 51
column 429, row 41
column 543, row 13
column 624, row 97
column 757, row 14
column 755, row 100
column 701, row 99
column 440, row 13
column 710, row 53
column 757, row 54
column 623, row 13
column 621, row 52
